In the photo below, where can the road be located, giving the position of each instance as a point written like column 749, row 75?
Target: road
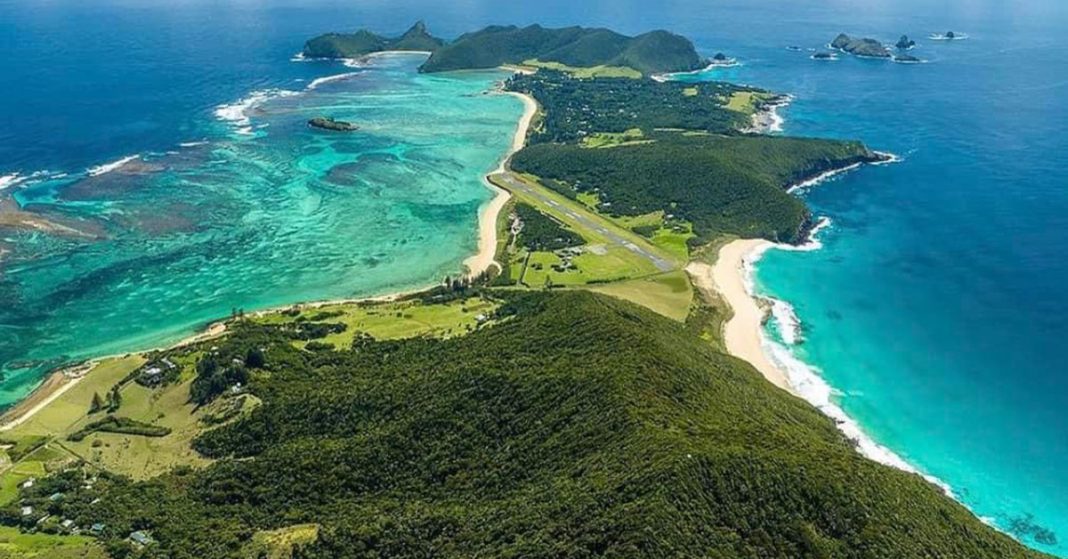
column 514, row 184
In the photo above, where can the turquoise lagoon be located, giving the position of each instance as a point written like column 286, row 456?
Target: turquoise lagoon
column 262, row 211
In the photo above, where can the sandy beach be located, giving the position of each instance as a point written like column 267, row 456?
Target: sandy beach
column 54, row 386
column 742, row 333
column 487, row 215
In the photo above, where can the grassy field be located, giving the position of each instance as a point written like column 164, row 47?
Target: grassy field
column 587, row 73
column 601, row 140
column 278, row 544
column 136, row 456
column 16, row 545
column 745, row 101
column 668, row 294
column 390, row 321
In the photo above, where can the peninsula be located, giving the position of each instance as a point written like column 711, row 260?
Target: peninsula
column 363, row 43
column 574, row 395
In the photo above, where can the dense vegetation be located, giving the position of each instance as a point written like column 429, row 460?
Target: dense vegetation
column 649, row 53
column 578, row 108
column 581, row 427
column 692, row 162
column 541, row 232
column 363, row 42
column 721, row 184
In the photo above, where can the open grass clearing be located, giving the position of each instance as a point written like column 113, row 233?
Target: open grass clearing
column 668, row 294
column 395, row 320
column 17, row 545
column 586, row 72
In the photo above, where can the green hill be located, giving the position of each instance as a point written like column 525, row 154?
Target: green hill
column 691, row 161
column 581, row 426
column 363, row 42
column 654, row 52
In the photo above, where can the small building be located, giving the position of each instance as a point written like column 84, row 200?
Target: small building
column 151, row 376
column 55, row 496
column 68, row 523
column 28, row 483
column 97, row 528
column 26, row 511
column 141, row 539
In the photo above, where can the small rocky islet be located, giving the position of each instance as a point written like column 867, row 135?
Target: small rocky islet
column 327, row 123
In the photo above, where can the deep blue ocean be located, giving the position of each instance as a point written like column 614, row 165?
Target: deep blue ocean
column 936, row 308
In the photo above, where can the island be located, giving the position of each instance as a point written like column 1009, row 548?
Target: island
column 327, row 123
column 363, row 43
column 578, row 397
column 906, row 59
column 570, row 47
column 904, row 43
column 860, row 47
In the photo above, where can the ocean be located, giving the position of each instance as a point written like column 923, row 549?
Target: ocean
column 933, row 310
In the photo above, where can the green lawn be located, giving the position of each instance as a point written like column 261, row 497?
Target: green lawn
column 17, row 545
column 745, row 101
column 601, row 140
column 587, row 72
column 396, row 320
column 668, row 294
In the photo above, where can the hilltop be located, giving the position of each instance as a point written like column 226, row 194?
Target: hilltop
column 577, row 426
column 363, row 42
column 648, row 53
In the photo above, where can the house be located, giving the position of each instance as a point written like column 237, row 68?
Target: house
column 97, row 528
column 67, row 524
column 141, row 539
column 55, row 496
column 28, row 483
column 151, row 376
column 26, row 511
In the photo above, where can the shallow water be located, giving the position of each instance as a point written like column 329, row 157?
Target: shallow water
column 268, row 211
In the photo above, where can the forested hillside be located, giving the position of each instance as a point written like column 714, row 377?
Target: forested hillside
column 691, row 160
column 363, row 42
column 649, row 53
column 581, row 426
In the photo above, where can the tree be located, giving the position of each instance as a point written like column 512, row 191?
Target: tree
column 97, row 404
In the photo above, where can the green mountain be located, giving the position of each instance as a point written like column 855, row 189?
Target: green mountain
column 650, row 53
column 578, row 426
column 363, row 42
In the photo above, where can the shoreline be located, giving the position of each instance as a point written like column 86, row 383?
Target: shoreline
column 59, row 381
column 483, row 260
column 744, row 337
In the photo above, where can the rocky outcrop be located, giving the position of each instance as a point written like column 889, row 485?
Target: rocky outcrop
column 860, row 47
column 327, row 123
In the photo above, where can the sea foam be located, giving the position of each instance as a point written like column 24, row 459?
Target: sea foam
column 9, row 180
column 237, row 112
column 109, row 167
column 327, row 79
column 808, row 383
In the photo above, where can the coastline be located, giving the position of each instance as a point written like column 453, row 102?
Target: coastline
column 483, row 260
column 56, row 383
column 731, row 277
